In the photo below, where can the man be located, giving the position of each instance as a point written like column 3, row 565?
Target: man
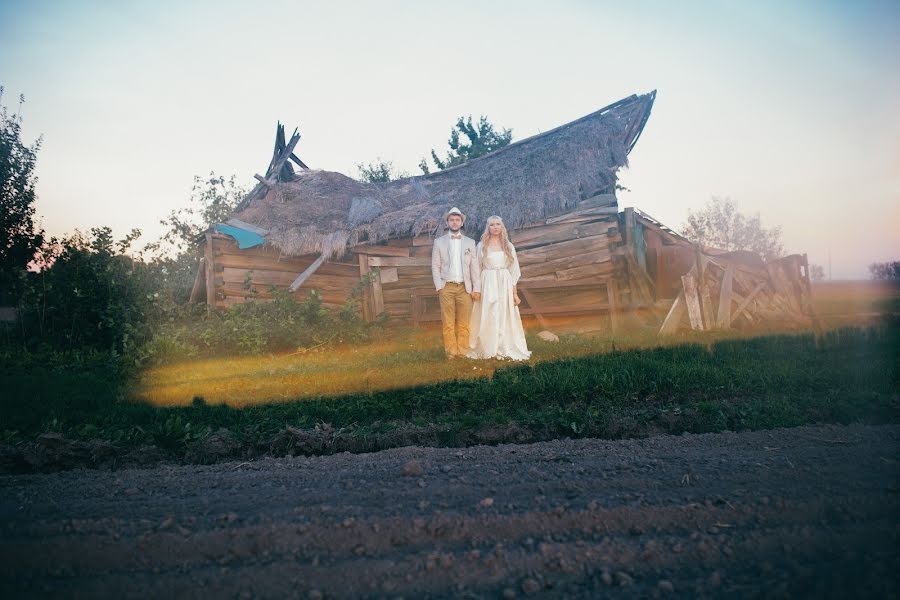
column 457, row 278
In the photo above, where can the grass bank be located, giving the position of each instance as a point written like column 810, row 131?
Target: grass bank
column 845, row 375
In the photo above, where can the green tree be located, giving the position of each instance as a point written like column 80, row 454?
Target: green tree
column 212, row 200
column 816, row 272
column 20, row 237
column 379, row 171
column 89, row 293
column 482, row 139
column 721, row 225
column 885, row 271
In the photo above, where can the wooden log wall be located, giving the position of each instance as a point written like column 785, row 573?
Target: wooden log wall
column 584, row 252
column 240, row 275
column 576, row 250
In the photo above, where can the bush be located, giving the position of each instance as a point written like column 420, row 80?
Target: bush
column 281, row 325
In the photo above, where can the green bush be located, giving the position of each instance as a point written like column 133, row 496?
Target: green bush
column 281, row 325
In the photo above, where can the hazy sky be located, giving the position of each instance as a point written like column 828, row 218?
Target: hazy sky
column 790, row 108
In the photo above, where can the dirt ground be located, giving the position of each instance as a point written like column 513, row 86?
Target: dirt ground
column 805, row 512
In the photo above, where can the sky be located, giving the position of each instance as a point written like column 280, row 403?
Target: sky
column 788, row 108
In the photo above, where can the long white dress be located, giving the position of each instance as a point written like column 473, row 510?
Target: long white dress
column 495, row 330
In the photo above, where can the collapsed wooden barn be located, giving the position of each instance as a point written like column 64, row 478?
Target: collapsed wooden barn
column 304, row 229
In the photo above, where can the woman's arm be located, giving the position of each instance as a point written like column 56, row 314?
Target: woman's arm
column 516, row 299
column 514, row 269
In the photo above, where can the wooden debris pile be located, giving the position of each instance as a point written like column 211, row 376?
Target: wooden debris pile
column 740, row 290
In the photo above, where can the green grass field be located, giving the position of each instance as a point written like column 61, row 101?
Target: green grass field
column 581, row 386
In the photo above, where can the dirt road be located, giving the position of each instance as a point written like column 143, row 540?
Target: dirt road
column 811, row 512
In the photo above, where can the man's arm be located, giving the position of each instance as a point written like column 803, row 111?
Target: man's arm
column 436, row 266
column 475, row 272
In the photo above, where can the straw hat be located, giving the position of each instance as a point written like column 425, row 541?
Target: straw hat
column 455, row 211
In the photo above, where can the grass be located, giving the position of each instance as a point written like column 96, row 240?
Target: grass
column 582, row 386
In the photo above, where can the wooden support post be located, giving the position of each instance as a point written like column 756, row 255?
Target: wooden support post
column 723, row 315
column 302, row 277
column 210, row 274
column 367, row 293
column 629, row 227
column 377, row 296
column 692, row 300
column 531, row 302
column 673, row 319
column 706, row 314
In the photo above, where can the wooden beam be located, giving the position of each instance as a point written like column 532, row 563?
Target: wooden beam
column 397, row 261
column 210, row 274
column 692, row 299
column 723, row 315
column 673, row 319
column 305, row 274
column 530, row 298
column 377, row 296
column 742, row 307
column 381, row 250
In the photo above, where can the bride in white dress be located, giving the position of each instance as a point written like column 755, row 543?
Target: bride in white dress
column 496, row 327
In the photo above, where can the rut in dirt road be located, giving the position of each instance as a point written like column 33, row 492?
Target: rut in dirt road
column 810, row 511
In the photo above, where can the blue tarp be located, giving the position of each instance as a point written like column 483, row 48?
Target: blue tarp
column 245, row 239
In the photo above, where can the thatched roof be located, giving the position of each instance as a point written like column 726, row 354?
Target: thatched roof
column 542, row 176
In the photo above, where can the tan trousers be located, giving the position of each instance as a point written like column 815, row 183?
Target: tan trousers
column 456, row 310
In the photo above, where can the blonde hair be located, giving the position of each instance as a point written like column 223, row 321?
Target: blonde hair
column 504, row 240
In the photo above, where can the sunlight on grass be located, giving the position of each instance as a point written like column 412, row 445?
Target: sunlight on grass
column 408, row 357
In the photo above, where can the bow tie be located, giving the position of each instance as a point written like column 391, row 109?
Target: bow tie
column 456, row 237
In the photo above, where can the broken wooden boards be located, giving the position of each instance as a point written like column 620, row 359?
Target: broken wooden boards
column 739, row 290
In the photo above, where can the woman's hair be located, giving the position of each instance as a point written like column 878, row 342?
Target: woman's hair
column 504, row 240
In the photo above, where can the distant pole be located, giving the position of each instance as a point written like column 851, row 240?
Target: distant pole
column 829, row 264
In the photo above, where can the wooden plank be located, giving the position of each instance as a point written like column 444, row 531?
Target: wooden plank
column 692, row 299
column 388, row 275
column 534, row 304
column 381, row 250
column 285, row 279
column 198, row 281
column 563, row 249
column 723, row 315
column 548, row 234
column 742, row 307
column 307, row 273
column 673, row 318
column 379, row 261
column 595, row 269
column 589, row 212
column 251, row 263
column 532, row 269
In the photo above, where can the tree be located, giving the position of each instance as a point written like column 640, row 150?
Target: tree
column 212, row 200
column 380, row 171
column 483, row 138
column 816, row 272
column 720, row 225
column 885, row 271
column 20, row 238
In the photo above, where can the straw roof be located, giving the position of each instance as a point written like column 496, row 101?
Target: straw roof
column 542, row 176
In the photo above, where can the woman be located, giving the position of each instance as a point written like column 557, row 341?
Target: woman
column 496, row 327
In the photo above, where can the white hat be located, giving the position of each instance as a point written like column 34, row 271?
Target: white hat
column 454, row 211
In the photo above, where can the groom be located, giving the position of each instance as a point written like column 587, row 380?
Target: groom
column 457, row 278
